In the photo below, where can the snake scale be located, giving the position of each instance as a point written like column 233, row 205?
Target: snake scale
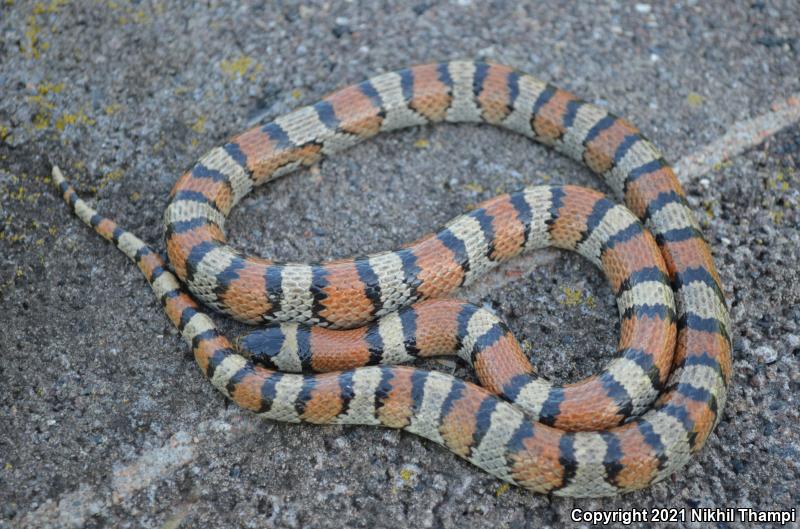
column 633, row 424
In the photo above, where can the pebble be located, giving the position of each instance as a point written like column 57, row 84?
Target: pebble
column 766, row 354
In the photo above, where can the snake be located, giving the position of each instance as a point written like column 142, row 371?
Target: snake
column 335, row 331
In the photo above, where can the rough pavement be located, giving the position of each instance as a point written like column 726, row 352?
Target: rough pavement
column 104, row 419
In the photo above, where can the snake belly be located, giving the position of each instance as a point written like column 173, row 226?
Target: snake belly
column 492, row 433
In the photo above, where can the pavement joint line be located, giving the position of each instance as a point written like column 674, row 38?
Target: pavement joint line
column 73, row 508
column 740, row 137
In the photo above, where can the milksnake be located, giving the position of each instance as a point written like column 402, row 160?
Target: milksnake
column 631, row 425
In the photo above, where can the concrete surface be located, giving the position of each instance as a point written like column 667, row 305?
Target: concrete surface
column 104, row 419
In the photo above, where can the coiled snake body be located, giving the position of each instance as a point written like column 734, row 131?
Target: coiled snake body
column 631, row 425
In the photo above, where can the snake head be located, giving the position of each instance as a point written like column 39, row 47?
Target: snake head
column 264, row 345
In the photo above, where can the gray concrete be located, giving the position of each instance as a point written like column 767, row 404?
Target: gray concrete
column 104, row 419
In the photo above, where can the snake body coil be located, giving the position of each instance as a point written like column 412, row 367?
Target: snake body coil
column 631, row 425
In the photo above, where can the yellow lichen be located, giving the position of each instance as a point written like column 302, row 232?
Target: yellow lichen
column 47, row 88
column 39, row 8
column 236, row 67
column 709, row 209
column 779, row 182
column 109, row 177
column 112, row 109
column 43, row 117
column 72, row 119
column 34, row 46
column 590, row 301
column 129, row 14
column 140, row 17
column 66, row 119
column 572, row 296
column 502, row 489
column 694, row 100
column 41, row 121
column 406, row 475
column 32, row 30
column 41, row 102
column 199, row 124
column 422, row 143
column 722, row 165
column 116, row 174
column 159, row 145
